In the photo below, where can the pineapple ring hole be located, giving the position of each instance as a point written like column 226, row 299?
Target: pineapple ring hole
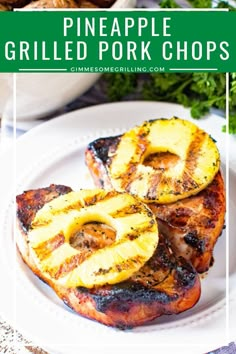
column 92, row 236
column 53, row 238
column 161, row 160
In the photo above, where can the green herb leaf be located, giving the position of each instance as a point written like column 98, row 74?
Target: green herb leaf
column 168, row 4
column 120, row 85
column 201, row 3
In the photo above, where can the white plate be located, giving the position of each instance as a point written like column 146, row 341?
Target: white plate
column 54, row 153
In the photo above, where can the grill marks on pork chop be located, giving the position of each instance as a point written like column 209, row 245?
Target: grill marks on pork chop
column 192, row 225
column 166, row 284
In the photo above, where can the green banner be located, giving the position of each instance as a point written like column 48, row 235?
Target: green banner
column 117, row 41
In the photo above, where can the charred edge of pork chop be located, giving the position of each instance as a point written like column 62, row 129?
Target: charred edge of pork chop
column 164, row 285
column 28, row 203
column 139, row 300
column 192, row 225
column 97, row 159
column 31, row 201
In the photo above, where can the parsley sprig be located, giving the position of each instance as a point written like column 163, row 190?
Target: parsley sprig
column 199, row 91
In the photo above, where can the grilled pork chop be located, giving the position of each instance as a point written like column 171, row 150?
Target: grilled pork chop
column 166, row 284
column 192, row 225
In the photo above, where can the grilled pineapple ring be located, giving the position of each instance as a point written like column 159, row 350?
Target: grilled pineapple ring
column 58, row 220
column 196, row 161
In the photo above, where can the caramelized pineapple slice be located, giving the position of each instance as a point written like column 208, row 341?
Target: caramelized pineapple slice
column 187, row 160
column 59, row 220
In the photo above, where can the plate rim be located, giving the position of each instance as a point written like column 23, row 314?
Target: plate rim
column 63, row 117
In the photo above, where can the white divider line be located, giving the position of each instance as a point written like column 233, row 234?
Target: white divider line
column 192, row 69
column 42, row 69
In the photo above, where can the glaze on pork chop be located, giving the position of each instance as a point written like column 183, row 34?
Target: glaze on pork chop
column 166, row 284
column 192, row 225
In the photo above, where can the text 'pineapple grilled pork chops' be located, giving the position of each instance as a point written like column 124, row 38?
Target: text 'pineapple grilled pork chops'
column 180, row 159
column 165, row 284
